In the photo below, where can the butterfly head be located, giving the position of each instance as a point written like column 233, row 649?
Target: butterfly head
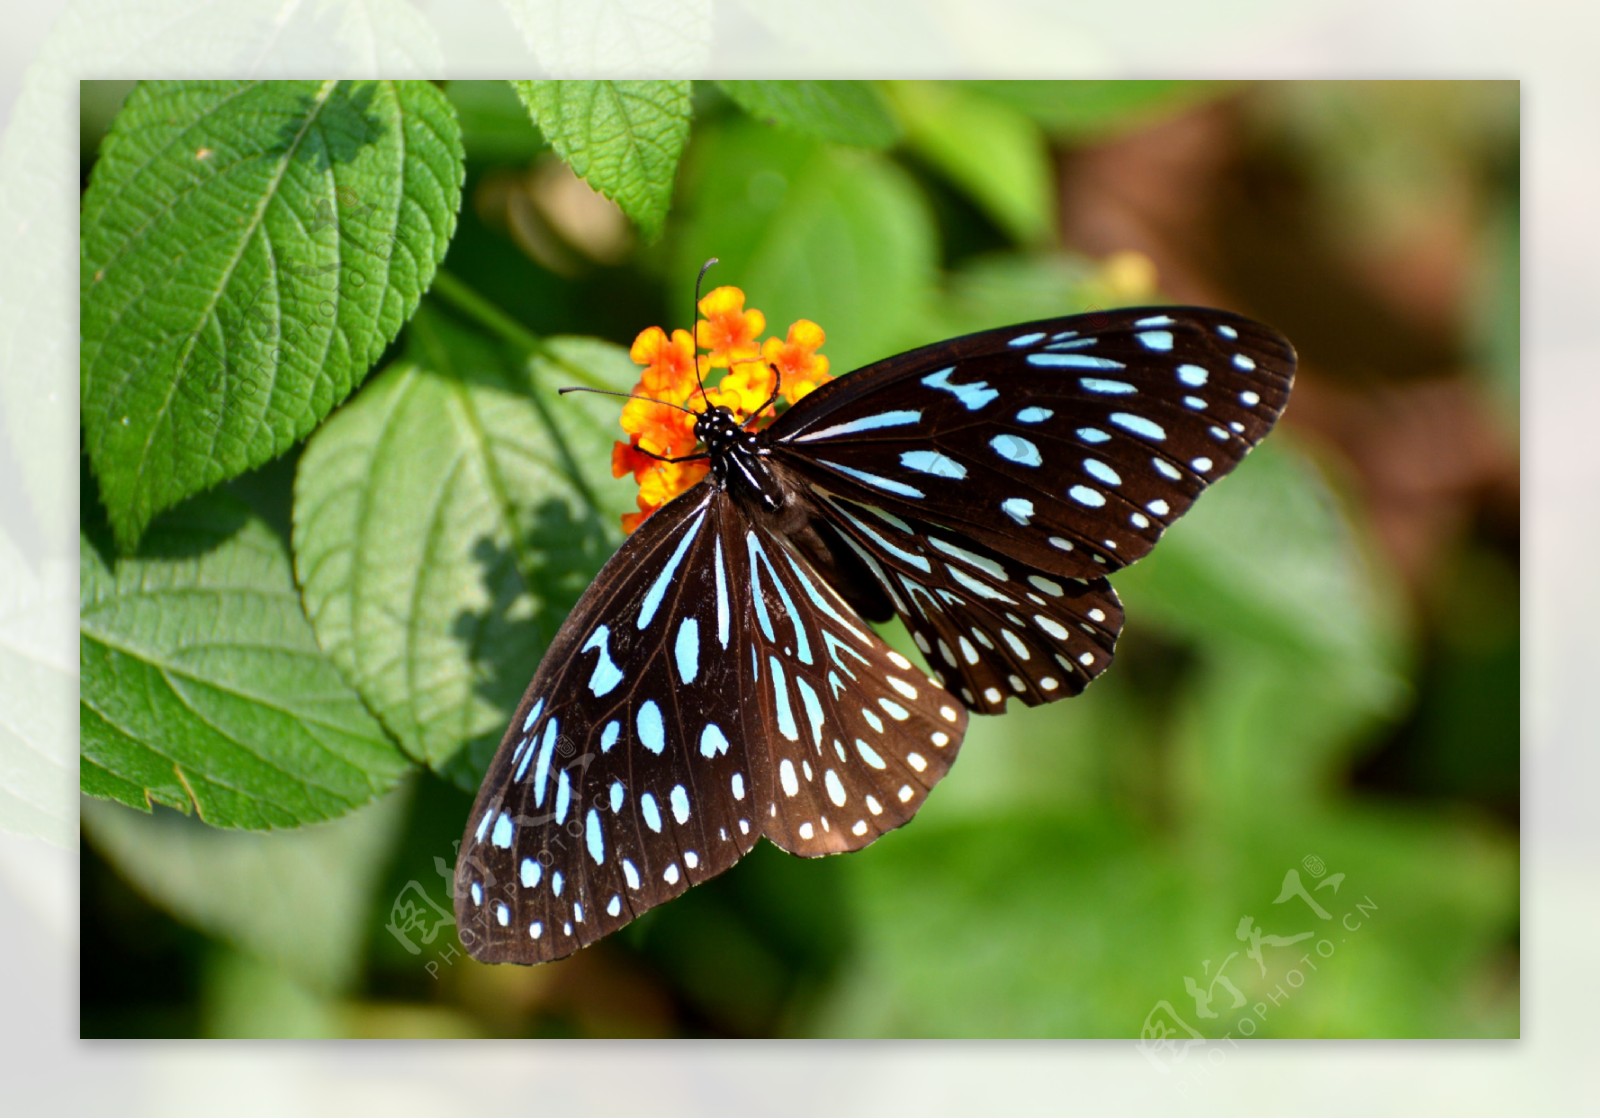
column 717, row 429
column 737, row 464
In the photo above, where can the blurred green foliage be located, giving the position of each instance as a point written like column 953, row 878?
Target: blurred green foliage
column 1307, row 749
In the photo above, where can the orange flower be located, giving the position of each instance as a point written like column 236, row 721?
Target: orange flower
column 801, row 367
column 631, row 521
column 729, row 331
column 626, row 458
column 659, row 482
column 666, row 480
column 655, row 420
column 658, row 427
column 669, row 364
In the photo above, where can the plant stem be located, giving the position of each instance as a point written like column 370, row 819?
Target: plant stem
column 450, row 289
column 463, row 298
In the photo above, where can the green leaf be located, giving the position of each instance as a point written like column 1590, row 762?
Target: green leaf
column 1297, row 638
column 248, row 250
column 447, row 520
column 299, row 900
column 1268, row 559
column 202, row 684
column 838, row 236
column 843, row 112
column 623, row 138
column 1080, row 928
column 245, row 998
column 1095, row 110
column 986, row 148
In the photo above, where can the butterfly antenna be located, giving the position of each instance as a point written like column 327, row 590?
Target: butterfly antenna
column 694, row 319
column 627, row 396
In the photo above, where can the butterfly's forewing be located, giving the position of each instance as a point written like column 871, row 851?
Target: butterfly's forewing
column 709, row 688
column 990, row 482
column 1067, row 445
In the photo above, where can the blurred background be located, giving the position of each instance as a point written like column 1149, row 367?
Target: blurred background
column 1291, row 807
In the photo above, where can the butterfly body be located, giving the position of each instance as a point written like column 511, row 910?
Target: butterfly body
column 719, row 681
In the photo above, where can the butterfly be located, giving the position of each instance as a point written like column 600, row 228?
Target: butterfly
column 720, row 680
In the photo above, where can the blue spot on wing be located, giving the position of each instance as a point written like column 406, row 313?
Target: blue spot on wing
column 932, row 462
column 972, row 397
column 759, row 560
column 888, row 485
column 1023, row 452
column 1073, row 361
column 606, row 674
column 593, row 839
column 652, row 729
column 1103, row 472
column 533, row 714
column 563, row 796
column 780, row 694
column 541, row 769
column 713, row 741
column 1019, row 509
column 898, row 418
column 1111, row 388
column 658, row 590
column 1149, row 429
column 687, row 650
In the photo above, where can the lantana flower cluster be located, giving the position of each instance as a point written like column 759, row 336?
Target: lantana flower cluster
column 731, row 337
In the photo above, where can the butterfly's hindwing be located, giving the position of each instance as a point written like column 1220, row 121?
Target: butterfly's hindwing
column 991, row 627
column 862, row 734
